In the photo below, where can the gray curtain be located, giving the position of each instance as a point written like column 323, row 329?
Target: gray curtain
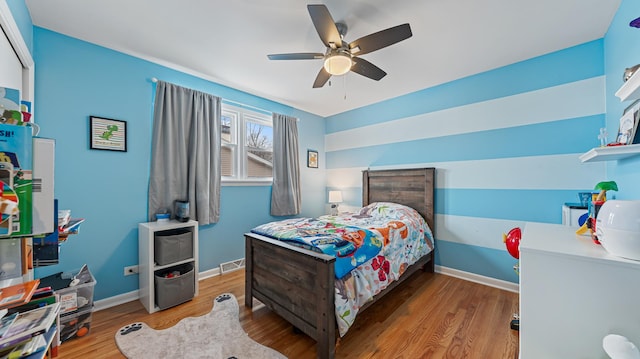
column 185, row 152
column 285, row 194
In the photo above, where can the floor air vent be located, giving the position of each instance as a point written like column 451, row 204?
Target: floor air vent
column 231, row 266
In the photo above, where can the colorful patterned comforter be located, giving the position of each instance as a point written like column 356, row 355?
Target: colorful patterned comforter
column 350, row 245
column 373, row 248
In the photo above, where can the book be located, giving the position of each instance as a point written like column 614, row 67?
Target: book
column 6, row 322
column 64, row 215
column 29, row 324
column 17, row 294
column 34, row 303
column 29, row 347
column 42, row 292
column 72, row 226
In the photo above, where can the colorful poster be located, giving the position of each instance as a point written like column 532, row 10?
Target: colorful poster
column 16, row 177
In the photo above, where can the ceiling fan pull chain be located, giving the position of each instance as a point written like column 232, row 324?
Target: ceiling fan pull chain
column 345, row 87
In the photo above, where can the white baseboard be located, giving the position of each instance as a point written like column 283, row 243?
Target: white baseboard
column 135, row 295
column 476, row 278
column 492, row 282
column 115, row 300
column 208, row 273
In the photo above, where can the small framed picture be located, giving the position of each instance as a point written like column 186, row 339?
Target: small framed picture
column 630, row 119
column 626, row 127
column 107, row 134
column 635, row 134
column 628, row 124
column 312, row 158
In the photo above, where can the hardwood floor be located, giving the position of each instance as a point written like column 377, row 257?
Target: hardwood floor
column 428, row 316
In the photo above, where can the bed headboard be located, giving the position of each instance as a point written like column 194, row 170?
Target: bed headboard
column 410, row 187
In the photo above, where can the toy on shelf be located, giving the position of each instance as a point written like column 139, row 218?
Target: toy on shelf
column 512, row 241
column 603, row 137
column 596, row 202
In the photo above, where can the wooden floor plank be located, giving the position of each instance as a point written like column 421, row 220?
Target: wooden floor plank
column 428, row 316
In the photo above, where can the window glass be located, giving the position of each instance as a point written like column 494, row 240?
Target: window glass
column 259, row 149
column 248, row 156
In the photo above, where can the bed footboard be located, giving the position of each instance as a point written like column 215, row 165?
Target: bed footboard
column 295, row 283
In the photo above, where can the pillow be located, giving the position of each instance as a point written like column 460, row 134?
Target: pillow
column 389, row 210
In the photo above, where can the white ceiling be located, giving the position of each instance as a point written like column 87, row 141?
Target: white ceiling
column 228, row 41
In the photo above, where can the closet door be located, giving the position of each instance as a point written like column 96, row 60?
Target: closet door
column 10, row 71
column 16, row 63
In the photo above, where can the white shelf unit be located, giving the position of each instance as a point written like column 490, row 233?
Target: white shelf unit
column 147, row 265
column 610, row 153
column 573, row 293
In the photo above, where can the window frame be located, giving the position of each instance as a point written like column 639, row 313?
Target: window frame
column 240, row 116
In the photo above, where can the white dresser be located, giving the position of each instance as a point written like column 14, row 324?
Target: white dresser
column 572, row 294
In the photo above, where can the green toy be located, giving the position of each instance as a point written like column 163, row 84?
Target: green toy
column 603, row 187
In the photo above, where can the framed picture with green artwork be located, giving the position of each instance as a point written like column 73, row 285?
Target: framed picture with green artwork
column 107, row 134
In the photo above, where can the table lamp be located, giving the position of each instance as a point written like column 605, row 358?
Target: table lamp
column 335, row 197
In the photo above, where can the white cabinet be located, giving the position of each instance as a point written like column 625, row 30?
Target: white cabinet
column 572, row 294
column 148, row 266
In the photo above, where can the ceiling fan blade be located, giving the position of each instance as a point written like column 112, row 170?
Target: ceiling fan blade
column 322, row 78
column 380, row 39
column 297, row 56
column 324, row 24
column 367, row 69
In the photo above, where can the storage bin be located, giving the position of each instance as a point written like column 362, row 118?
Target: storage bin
column 177, row 289
column 173, row 246
column 75, row 325
column 78, row 297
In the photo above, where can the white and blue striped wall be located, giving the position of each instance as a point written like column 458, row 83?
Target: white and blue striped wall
column 622, row 50
column 505, row 144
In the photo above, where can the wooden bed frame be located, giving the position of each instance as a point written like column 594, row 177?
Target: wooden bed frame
column 298, row 284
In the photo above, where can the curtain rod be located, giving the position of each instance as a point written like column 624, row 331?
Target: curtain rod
column 155, row 80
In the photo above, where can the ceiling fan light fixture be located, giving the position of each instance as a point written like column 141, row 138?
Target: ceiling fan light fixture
column 338, row 64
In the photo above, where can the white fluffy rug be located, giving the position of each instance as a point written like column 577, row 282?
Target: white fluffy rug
column 217, row 335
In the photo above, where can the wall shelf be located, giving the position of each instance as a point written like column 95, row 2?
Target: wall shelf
column 630, row 90
column 610, row 153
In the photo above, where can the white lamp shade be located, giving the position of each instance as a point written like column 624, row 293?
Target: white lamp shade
column 338, row 64
column 335, row 196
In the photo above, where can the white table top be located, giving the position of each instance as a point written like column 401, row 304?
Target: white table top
column 563, row 240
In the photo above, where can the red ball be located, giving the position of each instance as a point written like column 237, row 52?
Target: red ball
column 512, row 241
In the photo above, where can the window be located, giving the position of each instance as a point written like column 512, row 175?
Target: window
column 247, row 144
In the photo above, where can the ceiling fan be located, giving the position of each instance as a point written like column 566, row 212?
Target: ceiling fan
column 342, row 57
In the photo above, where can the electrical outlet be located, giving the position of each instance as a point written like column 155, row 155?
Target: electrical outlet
column 130, row 270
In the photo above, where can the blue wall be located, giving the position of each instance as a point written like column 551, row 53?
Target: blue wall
column 74, row 80
column 505, row 143
column 622, row 50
